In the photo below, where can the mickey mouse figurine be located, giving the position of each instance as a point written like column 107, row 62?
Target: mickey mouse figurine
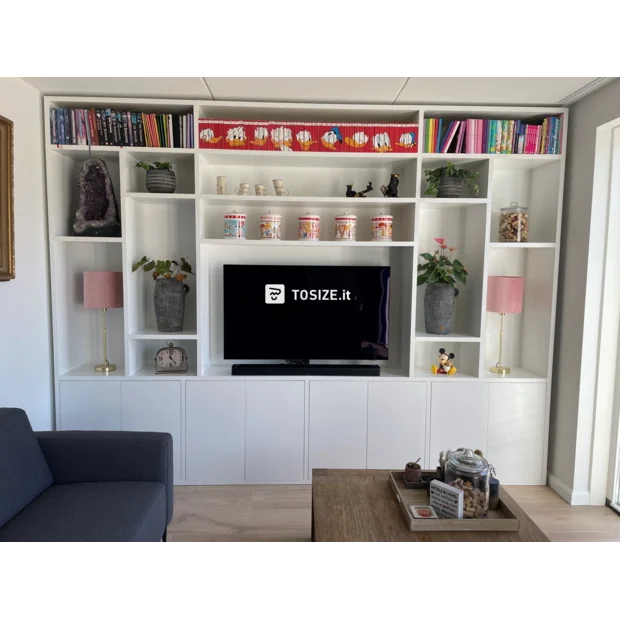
column 446, row 365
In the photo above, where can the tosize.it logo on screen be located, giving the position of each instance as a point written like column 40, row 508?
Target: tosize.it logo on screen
column 274, row 293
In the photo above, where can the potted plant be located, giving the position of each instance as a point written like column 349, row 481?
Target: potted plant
column 160, row 178
column 413, row 472
column 449, row 181
column 440, row 274
column 170, row 290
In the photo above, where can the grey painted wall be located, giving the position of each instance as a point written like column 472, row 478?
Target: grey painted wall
column 585, row 116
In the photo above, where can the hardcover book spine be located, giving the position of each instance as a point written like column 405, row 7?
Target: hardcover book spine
column 509, row 137
column 99, row 125
column 498, row 137
column 108, row 126
column 125, row 126
column 538, row 138
column 53, row 135
column 504, row 137
column 140, row 129
column 86, row 125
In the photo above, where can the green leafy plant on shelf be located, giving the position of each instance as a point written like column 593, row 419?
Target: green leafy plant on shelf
column 164, row 268
column 435, row 176
column 158, row 165
column 440, row 268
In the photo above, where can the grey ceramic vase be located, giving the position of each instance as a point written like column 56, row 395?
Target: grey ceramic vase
column 450, row 187
column 439, row 308
column 170, row 304
column 161, row 181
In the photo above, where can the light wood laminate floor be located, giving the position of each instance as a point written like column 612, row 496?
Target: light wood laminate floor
column 282, row 513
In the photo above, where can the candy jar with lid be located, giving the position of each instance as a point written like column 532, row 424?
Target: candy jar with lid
column 513, row 223
column 470, row 472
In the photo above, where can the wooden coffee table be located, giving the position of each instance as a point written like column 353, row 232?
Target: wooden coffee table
column 355, row 505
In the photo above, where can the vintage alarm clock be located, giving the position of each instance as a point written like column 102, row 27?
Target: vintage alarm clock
column 171, row 359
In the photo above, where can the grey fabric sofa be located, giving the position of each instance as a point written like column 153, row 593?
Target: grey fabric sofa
column 83, row 485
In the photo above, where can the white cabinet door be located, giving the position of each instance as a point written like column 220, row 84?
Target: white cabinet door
column 274, row 431
column 215, row 432
column 90, row 405
column 396, row 423
column 154, row 407
column 459, row 417
column 338, row 424
column 517, row 431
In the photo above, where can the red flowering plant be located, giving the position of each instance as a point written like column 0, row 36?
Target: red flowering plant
column 440, row 268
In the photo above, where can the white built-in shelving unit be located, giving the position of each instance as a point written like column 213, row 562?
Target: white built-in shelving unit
column 189, row 223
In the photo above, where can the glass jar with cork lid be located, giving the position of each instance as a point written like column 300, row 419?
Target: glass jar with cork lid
column 513, row 223
column 470, row 472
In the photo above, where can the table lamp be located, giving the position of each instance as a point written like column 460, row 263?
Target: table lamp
column 103, row 290
column 504, row 295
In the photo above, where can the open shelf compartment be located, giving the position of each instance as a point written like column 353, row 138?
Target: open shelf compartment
column 161, row 231
column 63, row 188
column 527, row 335
column 78, row 335
column 536, row 188
column 463, row 228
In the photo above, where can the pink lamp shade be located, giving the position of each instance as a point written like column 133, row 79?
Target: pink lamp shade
column 103, row 289
column 505, row 294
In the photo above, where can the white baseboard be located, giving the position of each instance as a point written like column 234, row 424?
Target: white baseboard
column 574, row 498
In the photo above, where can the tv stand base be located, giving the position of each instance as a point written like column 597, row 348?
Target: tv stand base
column 326, row 370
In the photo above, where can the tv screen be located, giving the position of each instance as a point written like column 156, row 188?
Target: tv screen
column 299, row 312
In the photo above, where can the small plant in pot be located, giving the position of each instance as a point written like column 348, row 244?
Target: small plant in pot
column 170, row 290
column 413, row 472
column 160, row 178
column 450, row 181
column 440, row 273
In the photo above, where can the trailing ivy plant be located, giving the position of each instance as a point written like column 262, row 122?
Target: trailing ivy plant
column 158, row 165
column 164, row 268
column 440, row 268
column 434, row 177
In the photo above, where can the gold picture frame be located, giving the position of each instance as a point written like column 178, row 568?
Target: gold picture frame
column 7, row 225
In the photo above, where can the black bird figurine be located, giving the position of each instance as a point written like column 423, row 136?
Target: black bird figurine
column 391, row 191
column 351, row 193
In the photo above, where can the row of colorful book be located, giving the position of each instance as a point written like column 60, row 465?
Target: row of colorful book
column 109, row 127
column 488, row 136
column 307, row 136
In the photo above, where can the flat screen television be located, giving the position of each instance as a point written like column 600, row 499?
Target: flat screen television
column 305, row 312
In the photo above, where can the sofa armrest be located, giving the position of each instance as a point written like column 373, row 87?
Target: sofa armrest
column 109, row 456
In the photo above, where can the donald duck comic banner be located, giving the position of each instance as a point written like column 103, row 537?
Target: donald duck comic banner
column 308, row 137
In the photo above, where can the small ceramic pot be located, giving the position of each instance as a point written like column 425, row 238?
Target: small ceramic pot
column 308, row 227
column 161, row 181
column 234, row 225
column 450, row 187
column 381, row 228
column 413, row 472
column 270, row 226
column 344, row 227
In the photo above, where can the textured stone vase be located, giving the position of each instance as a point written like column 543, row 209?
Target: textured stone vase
column 161, row 181
column 450, row 187
column 97, row 213
column 439, row 308
column 170, row 304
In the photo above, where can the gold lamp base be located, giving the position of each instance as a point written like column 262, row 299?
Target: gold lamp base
column 500, row 370
column 107, row 367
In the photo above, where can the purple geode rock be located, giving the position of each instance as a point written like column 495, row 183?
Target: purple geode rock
column 97, row 214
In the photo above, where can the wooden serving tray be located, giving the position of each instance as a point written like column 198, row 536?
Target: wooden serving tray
column 498, row 520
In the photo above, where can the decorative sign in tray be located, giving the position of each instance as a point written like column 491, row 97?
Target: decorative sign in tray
column 498, row 520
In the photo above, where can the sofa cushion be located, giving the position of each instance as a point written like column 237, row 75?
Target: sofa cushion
column 24, row 474
column 92, row 511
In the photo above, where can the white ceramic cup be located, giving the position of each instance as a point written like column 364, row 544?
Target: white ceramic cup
column 243, row 189
column 221, row 185
column 278, row 185
column 260, row 190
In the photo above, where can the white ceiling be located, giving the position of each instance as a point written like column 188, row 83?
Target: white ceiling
column 444, row 90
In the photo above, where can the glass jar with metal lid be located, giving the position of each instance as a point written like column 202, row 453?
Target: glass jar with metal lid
column 513, row 223
column 470, row 472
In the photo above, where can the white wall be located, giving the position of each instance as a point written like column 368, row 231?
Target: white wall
column 25, row 324
column 571, row 402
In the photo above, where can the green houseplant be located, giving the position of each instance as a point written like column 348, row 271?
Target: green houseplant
column 450, row 181
column 160, row 178
column 440, row 273
column 170, row 290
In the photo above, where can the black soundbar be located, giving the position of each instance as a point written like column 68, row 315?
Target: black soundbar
column 328, row 370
